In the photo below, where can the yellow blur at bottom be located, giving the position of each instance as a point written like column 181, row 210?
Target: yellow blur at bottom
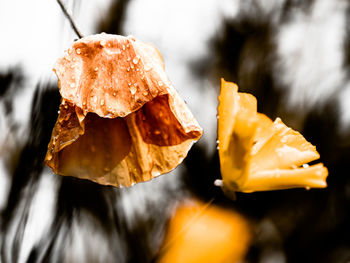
column 200, row 233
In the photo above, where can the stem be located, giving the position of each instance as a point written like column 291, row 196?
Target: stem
column 65, row 11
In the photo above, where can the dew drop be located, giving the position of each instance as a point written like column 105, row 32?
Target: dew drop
column 123, row 47
column 69, row 51
column 78, row 51
column 72, row 85
column 84, row 103
column 160, row 83
column 128, row 69
column 96, row 69
column 217, row 141
column 102, row 102
column 58, row 112
column 95, row 99
column 127, row 45
column 305, row 165
column 103, row 42
column 133, row 89
column 129, row 84
column 307, row 187
column 136, row 59
column 217, row 147
column 114, row 94
column 145, row 93
column 128, row 59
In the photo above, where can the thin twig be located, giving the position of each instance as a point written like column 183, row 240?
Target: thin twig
column 65, row 11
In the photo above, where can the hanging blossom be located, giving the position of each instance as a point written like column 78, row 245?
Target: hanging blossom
column 120, row 120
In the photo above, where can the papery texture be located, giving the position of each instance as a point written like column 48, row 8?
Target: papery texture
column 121, row 121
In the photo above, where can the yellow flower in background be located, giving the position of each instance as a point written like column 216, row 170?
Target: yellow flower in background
column 257, row 154
column 205, row 233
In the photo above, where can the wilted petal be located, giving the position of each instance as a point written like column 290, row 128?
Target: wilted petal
column 121, row 121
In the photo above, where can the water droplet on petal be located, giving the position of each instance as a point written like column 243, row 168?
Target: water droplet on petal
column 102, row 102
column 72, row 85
column 96, row 69
column 78, row 51
column 103, row 42
column 128, row 59
column 133, row 89
column 136, row 59
column 160, row 83
column 95, row 99
column 128, row 69
column 305, row 165
column 129, row 84
column 145, row 93
column 123, row 47
column 114, row 94
column 84, row 103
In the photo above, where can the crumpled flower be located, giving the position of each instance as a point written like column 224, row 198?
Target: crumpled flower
column 120, row 121
column 257, row 154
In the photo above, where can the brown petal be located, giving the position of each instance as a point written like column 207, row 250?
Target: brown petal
column 115, row 132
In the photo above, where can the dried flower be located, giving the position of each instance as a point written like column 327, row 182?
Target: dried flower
column 118, row 127
column 257, row 154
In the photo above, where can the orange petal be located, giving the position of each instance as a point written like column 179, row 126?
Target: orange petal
column 121, row 121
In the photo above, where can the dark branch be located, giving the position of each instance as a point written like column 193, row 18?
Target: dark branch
column 65, row 11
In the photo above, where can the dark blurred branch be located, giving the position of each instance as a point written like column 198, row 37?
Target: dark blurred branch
column 65, row 11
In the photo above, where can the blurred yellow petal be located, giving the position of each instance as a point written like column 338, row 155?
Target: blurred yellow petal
column 257, row 154
column 202, row 233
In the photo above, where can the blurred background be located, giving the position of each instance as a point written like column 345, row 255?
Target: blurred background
column 293, row 55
